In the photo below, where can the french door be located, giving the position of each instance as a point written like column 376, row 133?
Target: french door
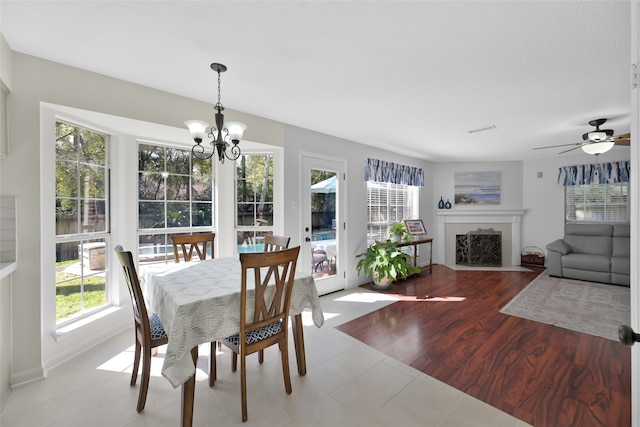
column 323, row 222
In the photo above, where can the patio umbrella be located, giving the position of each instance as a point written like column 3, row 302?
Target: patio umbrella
column 326, row 186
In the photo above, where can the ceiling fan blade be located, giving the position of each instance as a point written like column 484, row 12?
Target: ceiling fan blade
column 561, row 145
column 571, row 149
column 622, row 140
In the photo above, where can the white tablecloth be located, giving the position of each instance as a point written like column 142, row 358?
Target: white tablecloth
column 200, row 302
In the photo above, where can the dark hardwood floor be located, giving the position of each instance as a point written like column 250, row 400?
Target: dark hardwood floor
column 448, row 325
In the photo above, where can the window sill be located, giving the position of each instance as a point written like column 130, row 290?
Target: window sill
column 6, row 268
column 69, row 328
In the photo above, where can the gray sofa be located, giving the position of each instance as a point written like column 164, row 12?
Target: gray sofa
column 592, row 252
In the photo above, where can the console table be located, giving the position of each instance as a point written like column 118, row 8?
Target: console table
column 419, row 241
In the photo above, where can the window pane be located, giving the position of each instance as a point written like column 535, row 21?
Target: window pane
column 201, row 188
column 66, row 217
column 201, row 214
column 151, row 186
column 150, row 158
column 92, row 181
column 93, row 216
column 151, row 215
column 80, row 278
column 65, row 143
column 178, row 215
column 178, row 161
column 155, row 248
column 597, row 203
column 92, row 147
column 177, row 187
column 388, row 204
column 66, row 179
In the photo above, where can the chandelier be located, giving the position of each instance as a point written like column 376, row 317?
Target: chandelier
column 222, row 134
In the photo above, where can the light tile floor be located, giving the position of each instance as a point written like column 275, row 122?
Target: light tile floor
column 347, row 384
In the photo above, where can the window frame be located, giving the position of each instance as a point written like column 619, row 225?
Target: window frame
column 163, row 254
column 79, row 237
column 393, row 212
column 252, row 235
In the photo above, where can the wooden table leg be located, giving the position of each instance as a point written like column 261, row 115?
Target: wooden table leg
column 298, row 342
column 188, row 394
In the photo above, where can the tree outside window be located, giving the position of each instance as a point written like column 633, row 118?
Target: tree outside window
column 82, row 224
column 175, row 196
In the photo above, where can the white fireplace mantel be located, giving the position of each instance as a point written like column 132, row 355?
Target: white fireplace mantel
column 481, row 216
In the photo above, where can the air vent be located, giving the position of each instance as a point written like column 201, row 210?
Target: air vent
column 483, row 129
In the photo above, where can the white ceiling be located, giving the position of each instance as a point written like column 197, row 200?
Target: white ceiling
column 414, row 77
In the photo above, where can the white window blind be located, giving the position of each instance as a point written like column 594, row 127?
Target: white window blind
column 597, row 203
column 387, row 204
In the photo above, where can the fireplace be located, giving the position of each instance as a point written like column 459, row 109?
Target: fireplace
column 451, row 222
column 482, row 247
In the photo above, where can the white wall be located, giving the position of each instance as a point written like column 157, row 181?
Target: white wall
column 510, row 187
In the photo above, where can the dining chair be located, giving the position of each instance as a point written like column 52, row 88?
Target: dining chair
column 148, row 329
column 198, row 242
column 190, row 242
column 267, row 277
column 275, row 243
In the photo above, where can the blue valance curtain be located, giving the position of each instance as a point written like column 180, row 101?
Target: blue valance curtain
column 395, row 173
column 603, row 173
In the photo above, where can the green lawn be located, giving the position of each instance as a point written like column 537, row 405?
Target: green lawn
column 68, row 297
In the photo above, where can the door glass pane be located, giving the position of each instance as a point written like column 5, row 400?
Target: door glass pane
column 323, row 223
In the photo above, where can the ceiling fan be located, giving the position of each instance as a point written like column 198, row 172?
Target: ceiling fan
column 597, row 141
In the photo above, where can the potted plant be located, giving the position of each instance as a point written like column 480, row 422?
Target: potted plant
column 398, row 232
column 386, row 263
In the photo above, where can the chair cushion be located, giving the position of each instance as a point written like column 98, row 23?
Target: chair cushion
column 157, row 330
column 256, row 335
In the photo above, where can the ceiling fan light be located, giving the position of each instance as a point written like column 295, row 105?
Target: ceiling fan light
column 198, row 129
column 598, row 147
column 597, row 136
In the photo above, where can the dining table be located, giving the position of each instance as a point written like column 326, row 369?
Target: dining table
column 199, row 302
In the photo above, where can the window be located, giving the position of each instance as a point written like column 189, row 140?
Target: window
column 82, row 220
column 386, row 204
column 597, row 203
column 254, row 201
column 175, row 196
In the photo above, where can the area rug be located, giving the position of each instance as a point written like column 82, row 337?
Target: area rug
column 588, row 307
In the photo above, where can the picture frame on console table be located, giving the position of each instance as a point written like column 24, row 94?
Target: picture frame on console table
column 415, row 227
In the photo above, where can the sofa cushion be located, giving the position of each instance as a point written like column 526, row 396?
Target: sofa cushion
column 621, row 241
column 592, row 245
column 621, row 230
column 589, row 229
column 559, row 246
column 587, row 262
column 621, row 265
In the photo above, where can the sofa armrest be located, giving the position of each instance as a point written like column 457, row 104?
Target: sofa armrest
column 559, row 246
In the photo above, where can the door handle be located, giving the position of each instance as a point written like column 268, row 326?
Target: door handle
column 627, row 335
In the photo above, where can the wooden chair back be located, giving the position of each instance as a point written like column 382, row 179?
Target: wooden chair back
column 149, row 332
column 275, row 243
column 274, row 270
column 140, row 314
column 187, row 243
column 267, row 283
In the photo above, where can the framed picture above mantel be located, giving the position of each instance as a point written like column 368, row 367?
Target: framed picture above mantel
column 477, row 188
